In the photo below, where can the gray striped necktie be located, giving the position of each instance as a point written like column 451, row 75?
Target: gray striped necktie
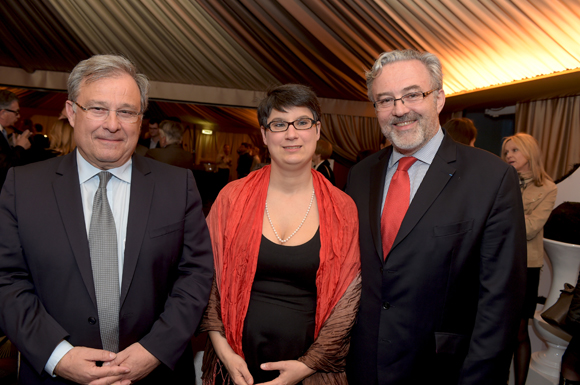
column 105, row 265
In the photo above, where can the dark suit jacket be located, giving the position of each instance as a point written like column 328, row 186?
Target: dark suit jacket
column 173, row 155
column 325, row 170
column 147, row 143
column 445, row 306
column 46, row 284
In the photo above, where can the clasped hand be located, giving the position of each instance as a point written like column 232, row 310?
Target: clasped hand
column 130, row 365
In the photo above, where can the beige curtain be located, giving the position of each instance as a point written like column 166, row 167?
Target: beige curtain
column 350, row 135
column 555, row 123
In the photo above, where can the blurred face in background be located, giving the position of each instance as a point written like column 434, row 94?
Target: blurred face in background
column 9, row 118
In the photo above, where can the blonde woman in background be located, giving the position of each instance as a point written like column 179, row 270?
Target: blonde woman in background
column 538, row 195
column 61, row 137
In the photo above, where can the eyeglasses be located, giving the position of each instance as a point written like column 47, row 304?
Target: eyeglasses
column 17, row 112
column 299, row 124
column 409, row 99
column 101, row 114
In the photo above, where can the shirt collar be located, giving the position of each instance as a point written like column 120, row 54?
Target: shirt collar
column 425, row 154
column 87, row 170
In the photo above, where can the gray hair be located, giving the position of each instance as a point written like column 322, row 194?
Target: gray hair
column 106, row 66
column 428, row 59
column 171, row 131
column 6, row 99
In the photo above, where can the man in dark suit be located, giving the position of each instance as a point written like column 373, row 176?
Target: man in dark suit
column 153, row 140
column 443, row 287
column 105, row 258
column 171, row 152
column 9, row 114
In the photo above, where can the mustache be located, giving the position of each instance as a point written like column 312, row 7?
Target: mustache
column 411, row 115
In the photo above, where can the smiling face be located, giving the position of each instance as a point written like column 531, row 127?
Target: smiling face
column 291, row 147
column 515, row 157
column 408, row 128
column 106, row 144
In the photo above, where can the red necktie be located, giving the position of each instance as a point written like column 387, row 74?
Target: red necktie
column 396, row 203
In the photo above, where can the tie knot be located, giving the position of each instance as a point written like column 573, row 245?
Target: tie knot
column 405, row 163
column 104, row 177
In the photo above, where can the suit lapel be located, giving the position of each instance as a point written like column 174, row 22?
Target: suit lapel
column 437, row 177
column 377, row 186
column 67, row 192
column 142, row 186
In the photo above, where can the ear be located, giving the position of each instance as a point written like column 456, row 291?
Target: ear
column 70, row 113
column 264, row 135
column 440, row 100
column 318, row 125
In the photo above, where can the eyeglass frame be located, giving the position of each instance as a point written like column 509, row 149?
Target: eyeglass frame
column 17, row 112
column 86, row 110
column 425, row 94
column 292, row 123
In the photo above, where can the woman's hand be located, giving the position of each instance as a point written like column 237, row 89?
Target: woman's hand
column 291, row 372
column 235, row 365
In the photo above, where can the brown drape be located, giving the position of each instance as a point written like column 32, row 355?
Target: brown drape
column 555, row 123
column 351, row 134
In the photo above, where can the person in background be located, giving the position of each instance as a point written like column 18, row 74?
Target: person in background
column 442, row 239
column 11, row 156
column 285, row 242
column 461, row 130
column 171, row 152
column 320, row 160
column 153, row 140
column 61, row 137
column 224, row 165
column 245, row 160
column 538, row 194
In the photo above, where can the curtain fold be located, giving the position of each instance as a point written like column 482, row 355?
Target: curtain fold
column 555, row 123
column 350, row 135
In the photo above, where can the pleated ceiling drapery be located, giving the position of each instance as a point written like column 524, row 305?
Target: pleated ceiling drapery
column 227, row 53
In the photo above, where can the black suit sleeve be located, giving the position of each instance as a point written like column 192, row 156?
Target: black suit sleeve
column 502, row 269
column 23, row 317
column 188, row 298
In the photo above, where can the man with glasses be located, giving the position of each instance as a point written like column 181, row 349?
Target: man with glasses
column 9, row 114
column 105, row 258
column 442, row 239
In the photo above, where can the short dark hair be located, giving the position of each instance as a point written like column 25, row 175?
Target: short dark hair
column 6, row 99
column 286, row 96
column 461, row 130
column 155, row 120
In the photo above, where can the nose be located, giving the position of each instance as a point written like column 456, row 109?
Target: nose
column 399, row 108
column 111, row 123
column 291, row 132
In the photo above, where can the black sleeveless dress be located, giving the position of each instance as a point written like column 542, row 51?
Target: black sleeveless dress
column 280, row 321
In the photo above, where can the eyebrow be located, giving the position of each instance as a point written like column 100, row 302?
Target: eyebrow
column 93, row 102
column 406, row 90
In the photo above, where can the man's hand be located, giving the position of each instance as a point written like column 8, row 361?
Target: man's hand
column 22, row 140
column 291, row 372
column 80, row 365
column 138, row 359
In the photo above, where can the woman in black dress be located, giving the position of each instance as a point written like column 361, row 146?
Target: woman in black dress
column 287, row 260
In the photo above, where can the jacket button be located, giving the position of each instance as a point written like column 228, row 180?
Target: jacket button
column 92, row 320
column 386, row 305
column 381, row 270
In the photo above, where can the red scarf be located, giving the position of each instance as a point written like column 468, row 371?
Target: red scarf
column 235, row 225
